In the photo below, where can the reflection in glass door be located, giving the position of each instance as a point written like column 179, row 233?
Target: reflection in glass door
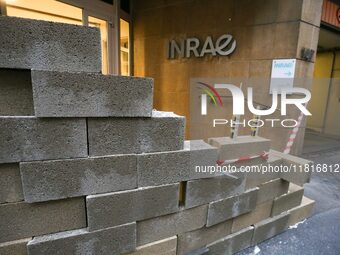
column 103, row 27
column 124, row 48
column 49, row 10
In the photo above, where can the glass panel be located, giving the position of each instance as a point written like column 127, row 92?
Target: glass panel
column 125, row 5
column 49, row 10
column 124, row 48
column 103, row 26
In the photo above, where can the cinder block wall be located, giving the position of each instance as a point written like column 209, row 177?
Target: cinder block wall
column 85, row 170
column 264, row 30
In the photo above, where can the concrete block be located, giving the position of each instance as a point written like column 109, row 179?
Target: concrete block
column 289, row 200
column 204, row 191
column 166, row 246
column 296, row 175
column 35, row 44
column 22, row 220
column 16, row 97
column 112, row 209
column 17, row 247
column 163, row 132
column 261, row 212
column 231, row 207
column 270, row 227
column 197, row 239
column 301, row 212
column 254, row 179
column 172, row 224
column 58, row 179
column 272, row 189
column 232, row 243
column 116, row 240
column 63, row 94
column 10, row 183
column 240, row 147
column 154, row 168
column 30, row 138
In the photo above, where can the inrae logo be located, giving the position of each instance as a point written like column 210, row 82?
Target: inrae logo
column 238, row 99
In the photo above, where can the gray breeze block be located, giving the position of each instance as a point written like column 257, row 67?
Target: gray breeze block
column 58, row 179
column 232, row 243
column 35, row 44
column 239, row 147
column 300, row 176
column 163, row 247
column 272, row 189
column 164, row 131
column 63, row 94
column 17, row 247
column 231, row 207
column 289, row 200
column 270, row 227
column 117, row 208
column 194, row 240
column 116, row 240
column 175, row 166
column 22, row 220
column 172, row 224
column 30, row 138
column 10, row 184
column 203, row 191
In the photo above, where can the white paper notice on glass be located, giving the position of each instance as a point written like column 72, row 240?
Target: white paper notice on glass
column 283, row 73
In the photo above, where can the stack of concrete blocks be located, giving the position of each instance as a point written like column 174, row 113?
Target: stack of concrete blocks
column 87, row 167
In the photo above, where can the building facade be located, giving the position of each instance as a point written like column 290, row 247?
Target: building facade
column 136, row 36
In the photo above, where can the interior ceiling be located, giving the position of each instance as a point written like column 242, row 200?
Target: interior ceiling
column 328, row 39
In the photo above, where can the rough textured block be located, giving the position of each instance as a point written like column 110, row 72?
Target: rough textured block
column 33, row 44
column 172, row 224
column 261, row 212
column 254, row 179
column 116, row 240
column 22, row 220
column 17, row 247
column 164, row 247
column 62, row 94
column 163, row 132
column 30, row 138
column 231, row 207
column 202, row 155
column 240, row 147
column 269, row 228
column 16, row 97
column 203, row 191
column 154, row 168
column 272, row 189
column 58, row 179
column 194, row 240
column 289, row 200
column 297, row 165
column 301, row 212
column 117, row 208
column 232, row 243
column 10, row 183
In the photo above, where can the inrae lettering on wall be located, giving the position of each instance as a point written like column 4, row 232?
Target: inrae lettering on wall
column 223, row 46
